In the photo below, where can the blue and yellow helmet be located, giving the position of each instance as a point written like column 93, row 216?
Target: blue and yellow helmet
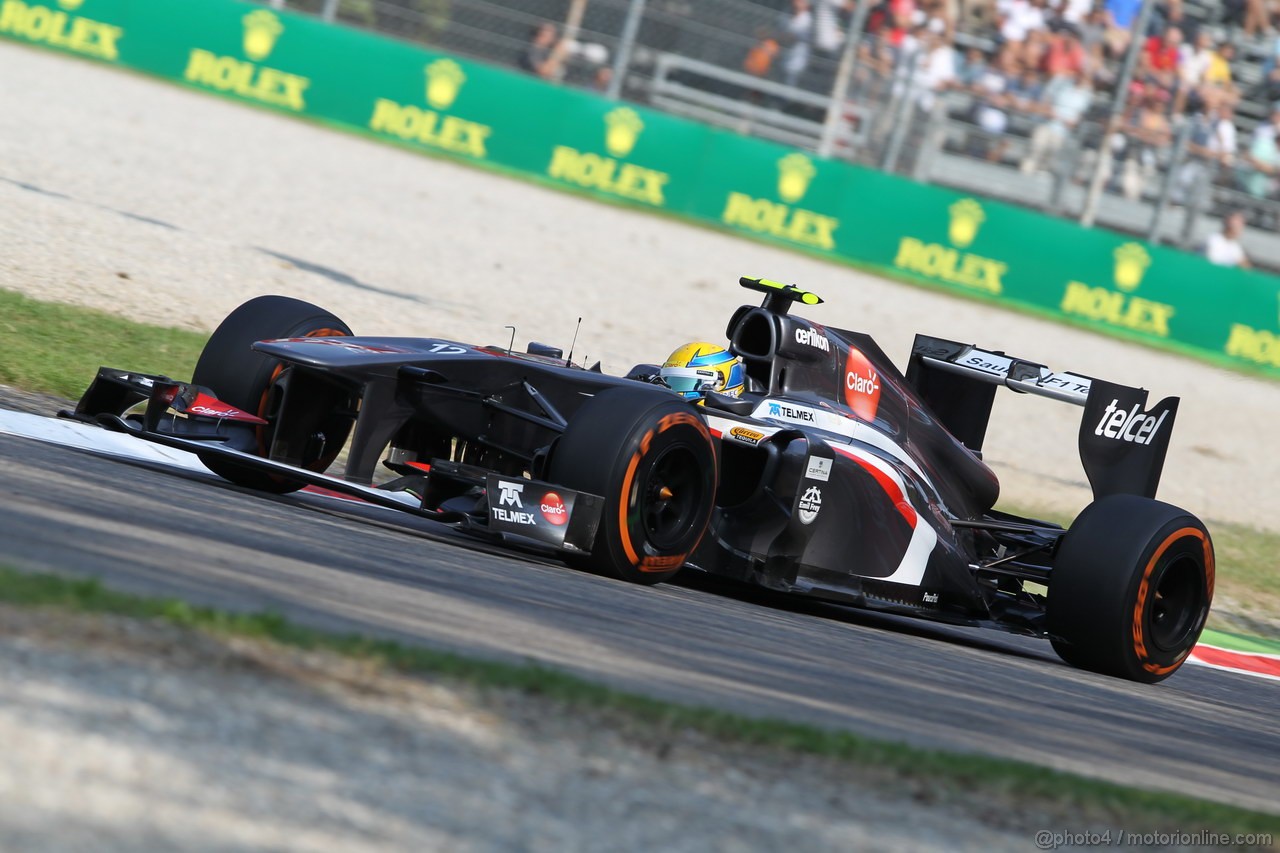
column 696, row 368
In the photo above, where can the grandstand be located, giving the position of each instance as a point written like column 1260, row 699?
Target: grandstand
column 951, row 92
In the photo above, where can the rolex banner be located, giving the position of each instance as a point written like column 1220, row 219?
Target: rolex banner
column 450, row 106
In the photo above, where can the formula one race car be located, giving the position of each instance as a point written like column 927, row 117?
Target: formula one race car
column 832, row 475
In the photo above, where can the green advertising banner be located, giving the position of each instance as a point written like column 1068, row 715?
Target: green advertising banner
column 447, row 105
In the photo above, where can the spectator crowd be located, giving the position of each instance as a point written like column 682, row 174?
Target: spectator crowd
column 1030, row 84
column 1037, row 69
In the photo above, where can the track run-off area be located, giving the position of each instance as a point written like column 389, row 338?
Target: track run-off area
column 150, row 520
column 172, row 207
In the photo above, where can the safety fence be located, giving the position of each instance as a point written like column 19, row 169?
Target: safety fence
column 576, row 139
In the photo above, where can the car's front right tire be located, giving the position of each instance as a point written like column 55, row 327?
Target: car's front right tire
column 251, row 381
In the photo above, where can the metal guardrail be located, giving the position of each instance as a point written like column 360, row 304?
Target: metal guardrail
column 750, row 104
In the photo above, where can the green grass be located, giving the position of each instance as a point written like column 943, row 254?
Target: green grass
column 930, row 774
column 1248, row 562
column 57, row 348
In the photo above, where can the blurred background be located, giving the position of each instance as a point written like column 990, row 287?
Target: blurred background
column 1156, row 118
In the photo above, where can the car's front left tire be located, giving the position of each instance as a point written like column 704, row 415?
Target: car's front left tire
column 651, row 457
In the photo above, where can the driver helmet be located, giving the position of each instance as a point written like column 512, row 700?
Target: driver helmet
column 696, row 368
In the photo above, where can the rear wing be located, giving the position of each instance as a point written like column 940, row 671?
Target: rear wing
column 1122, row 445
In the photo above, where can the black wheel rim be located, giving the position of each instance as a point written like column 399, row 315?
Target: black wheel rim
column 670, row 497
column 1176, row 604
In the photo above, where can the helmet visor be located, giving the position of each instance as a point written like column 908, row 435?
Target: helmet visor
column 688, row 380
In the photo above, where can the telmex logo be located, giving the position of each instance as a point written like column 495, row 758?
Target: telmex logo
column 861, row 385
column 813, row 338
column 509, row 494
column 1134, row 426
column 780, row 410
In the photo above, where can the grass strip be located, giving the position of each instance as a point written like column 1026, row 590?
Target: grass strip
column 1240, row 642
column 946, row 772
column 57, row 349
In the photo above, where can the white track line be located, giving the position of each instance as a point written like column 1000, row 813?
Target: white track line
column 95, row 439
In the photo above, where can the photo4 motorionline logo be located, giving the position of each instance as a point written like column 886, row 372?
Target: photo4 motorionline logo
column 1053, row 840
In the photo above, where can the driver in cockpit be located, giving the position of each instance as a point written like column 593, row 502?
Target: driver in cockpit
column 696, row 368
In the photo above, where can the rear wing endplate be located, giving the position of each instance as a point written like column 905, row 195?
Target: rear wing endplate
column 1122, row 445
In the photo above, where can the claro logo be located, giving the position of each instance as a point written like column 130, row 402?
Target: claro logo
column 812, row 338
column 861, row 385
column 1134, row 426
column 553, row 509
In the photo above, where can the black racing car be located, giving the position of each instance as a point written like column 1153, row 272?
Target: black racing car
column 833, row 475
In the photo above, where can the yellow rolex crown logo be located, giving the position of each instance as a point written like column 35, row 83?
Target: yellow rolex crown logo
column 444, row 81
column 261, row 29
column 1132, row 261
column 622, row 130
column 71, row 5
column 795, row 171
column 967, row 217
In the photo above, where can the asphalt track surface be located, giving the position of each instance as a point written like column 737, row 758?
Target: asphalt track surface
column 347, row 567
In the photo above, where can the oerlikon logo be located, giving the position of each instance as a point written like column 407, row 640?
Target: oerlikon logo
column 861, row 385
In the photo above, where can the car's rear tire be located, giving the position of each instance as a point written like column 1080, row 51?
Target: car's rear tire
column 652, row 458
column 1130, row 588
column 245, row 378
